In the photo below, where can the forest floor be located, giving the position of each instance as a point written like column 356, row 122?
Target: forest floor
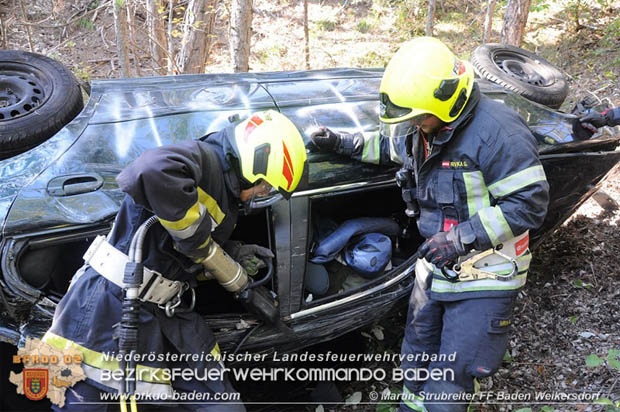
column 570, row 307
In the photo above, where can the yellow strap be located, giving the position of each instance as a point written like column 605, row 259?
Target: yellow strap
column 122, row 404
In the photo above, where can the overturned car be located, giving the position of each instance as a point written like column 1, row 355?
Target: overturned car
column 57, row 197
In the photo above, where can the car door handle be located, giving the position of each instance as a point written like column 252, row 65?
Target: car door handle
column 74, row 184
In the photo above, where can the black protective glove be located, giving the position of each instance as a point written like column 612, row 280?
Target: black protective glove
column 594, row 120
column 443, row 248
column 249, row 256
column 583, row 131
column 325, row 140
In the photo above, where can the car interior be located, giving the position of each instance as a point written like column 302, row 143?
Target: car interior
column 342, row 278
column 62, row 255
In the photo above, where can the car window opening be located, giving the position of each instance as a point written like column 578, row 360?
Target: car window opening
column 356, row 238
column 63, row 257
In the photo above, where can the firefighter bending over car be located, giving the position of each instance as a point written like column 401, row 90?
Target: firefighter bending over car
column 193, row 189
column 472, row 180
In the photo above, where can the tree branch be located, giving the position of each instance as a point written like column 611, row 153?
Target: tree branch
column 21, row 5
column 161, row 47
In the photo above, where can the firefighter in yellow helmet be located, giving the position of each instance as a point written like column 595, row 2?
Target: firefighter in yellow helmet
column 472, row 180
column 192, row 189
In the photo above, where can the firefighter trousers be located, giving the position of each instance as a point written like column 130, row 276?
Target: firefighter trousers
column 458, row 341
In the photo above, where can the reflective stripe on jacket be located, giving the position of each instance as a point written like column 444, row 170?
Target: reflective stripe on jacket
column 483, row 175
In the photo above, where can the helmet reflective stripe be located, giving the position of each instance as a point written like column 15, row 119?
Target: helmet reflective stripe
column 251, row 125
column 270, row 147
column 424, row 76
column 287, row 167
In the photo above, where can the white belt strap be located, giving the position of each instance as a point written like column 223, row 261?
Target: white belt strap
column 110, row 263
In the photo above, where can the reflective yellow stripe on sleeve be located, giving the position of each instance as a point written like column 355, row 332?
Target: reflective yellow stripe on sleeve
column 212, row 207
column 372, row 149
column 187, row 226
column 495, row 224
column 517, row 181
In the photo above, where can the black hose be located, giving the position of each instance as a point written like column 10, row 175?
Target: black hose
column 265, row 278
column 137, row 241
column 127, row 332
column 245, row 338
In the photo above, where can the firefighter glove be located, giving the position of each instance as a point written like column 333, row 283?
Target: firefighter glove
column 443, row 248
column 325, row 140
column 594, row 120
column 249, row 256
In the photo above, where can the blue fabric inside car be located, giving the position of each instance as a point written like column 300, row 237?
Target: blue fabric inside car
column 329, row 246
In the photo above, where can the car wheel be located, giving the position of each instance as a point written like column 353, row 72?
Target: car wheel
column 38, row 96
column 521, row 72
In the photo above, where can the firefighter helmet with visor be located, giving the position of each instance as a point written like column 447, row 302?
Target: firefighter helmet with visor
column 424, row 77
column 271, row 148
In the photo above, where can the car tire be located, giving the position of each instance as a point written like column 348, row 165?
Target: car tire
column 521, row 72
column 38, row 96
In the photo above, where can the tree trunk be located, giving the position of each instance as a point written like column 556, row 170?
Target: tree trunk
column 515, row 19
column 414, row 11
column 132, row 40
column 430, row 17
column 25, row 17
column 197, row 36
column 3, row 36
column 158, row 42
column 306, row 35
column 240, row 34
column 170, row 60
column 120, row 26
column 488, row 21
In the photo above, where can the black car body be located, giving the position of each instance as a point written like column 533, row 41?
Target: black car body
column 55, row 198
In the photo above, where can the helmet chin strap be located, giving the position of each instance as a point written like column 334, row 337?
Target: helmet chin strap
column 258, row 187
column 249, row 197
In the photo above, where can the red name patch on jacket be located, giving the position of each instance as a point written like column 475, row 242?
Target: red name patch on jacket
column 449, row 224
column 522, row 245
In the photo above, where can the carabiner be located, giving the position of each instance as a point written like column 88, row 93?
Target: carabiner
column 171, row 306
column 465, row 271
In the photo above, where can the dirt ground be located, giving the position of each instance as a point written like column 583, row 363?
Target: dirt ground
column 570, row 308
